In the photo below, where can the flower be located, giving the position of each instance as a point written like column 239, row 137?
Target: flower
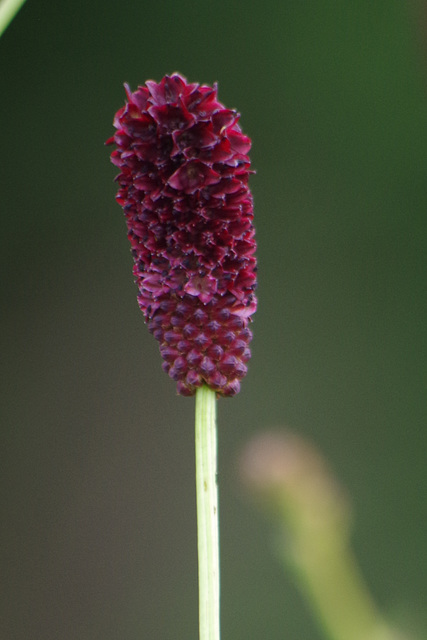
column 183, row 186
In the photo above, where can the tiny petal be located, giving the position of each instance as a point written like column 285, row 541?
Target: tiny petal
column 171, row 118
column 192, row 176
column 204, row 287
column 239, row 142
column 199, row 136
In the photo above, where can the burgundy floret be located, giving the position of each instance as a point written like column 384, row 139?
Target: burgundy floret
column 183, row 186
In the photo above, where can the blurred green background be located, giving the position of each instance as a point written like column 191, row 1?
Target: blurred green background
column 98, row 530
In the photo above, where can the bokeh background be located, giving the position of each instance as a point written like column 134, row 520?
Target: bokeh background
column 98, row 530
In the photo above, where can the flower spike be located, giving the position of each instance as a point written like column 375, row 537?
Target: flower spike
column 183, row 186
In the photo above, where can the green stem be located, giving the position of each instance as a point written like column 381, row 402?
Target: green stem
column 8, row 10
column 207, row 514
column 331, row 581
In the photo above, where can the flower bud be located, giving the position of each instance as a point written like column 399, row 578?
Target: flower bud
column 183, row 186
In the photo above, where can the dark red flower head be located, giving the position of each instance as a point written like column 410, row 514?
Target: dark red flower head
column 183, row 186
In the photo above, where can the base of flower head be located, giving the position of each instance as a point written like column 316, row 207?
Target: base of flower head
column 202, row 344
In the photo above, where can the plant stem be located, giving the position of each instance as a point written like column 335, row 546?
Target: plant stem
column 207, row 514
column 331, row 582
column 8, row 10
